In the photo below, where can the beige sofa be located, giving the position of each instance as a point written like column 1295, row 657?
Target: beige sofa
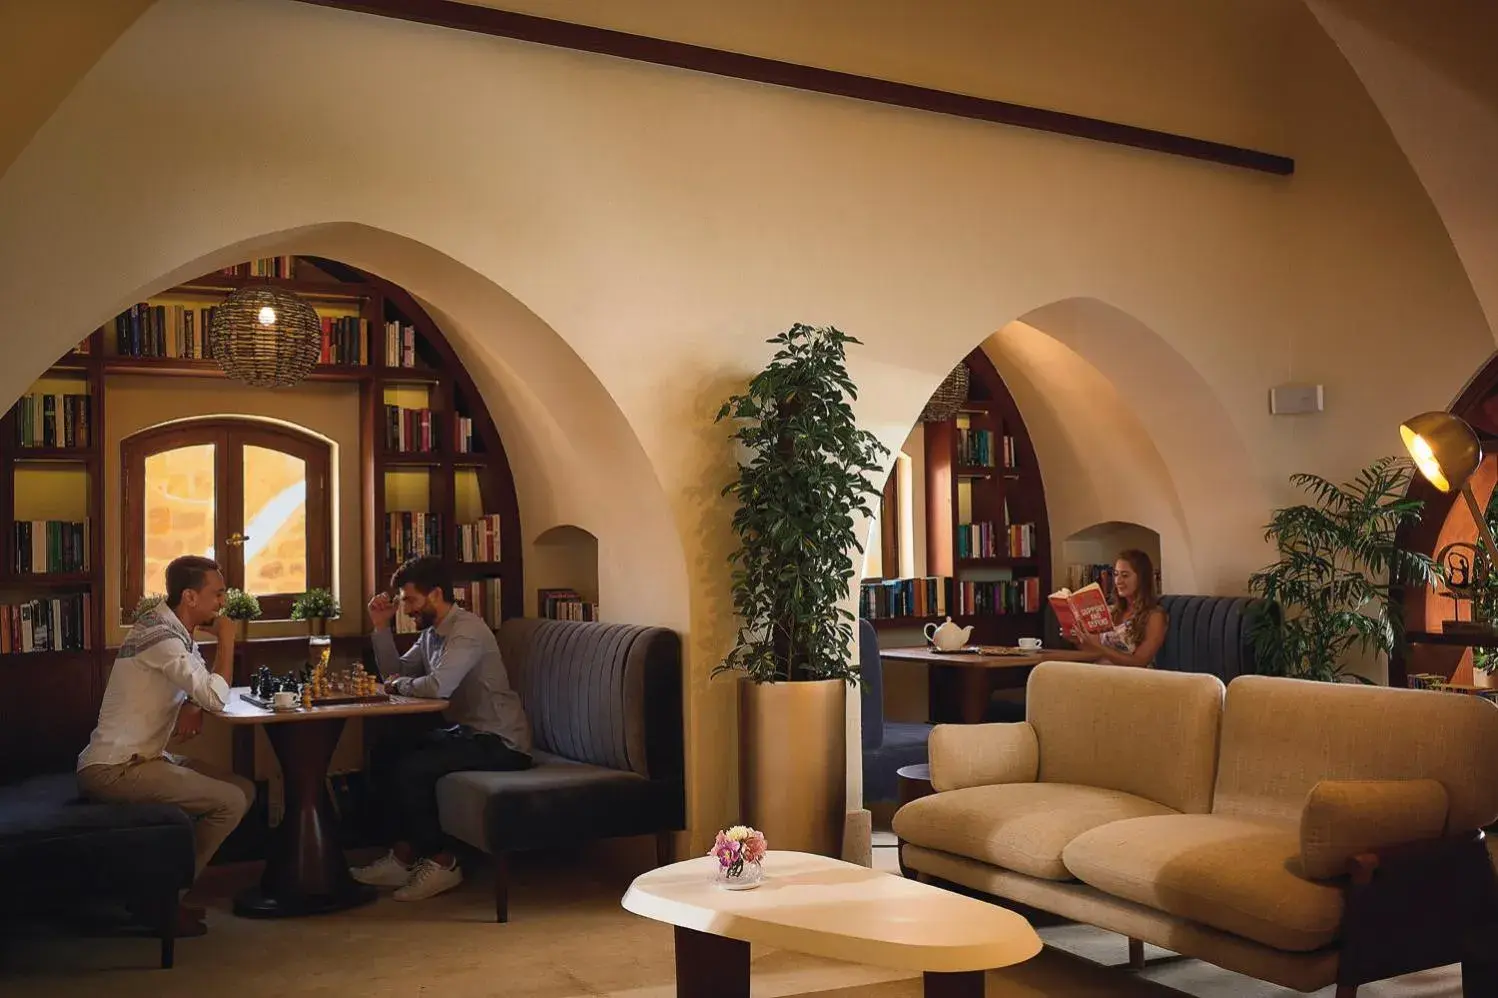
column 1302, row 833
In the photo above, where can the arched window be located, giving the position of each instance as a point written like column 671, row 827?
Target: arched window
column 252, row 495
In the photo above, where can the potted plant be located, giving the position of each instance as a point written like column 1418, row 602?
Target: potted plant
column 242, row 607
column 804, row 474
column 147, row 603
column 316, row 606
column 1337, row 556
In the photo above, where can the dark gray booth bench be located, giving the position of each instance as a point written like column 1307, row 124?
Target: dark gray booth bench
column 605, row 707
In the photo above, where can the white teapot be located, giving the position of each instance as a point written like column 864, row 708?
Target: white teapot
column 947, row 637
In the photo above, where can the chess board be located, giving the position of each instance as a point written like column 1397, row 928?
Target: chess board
column 336, row 700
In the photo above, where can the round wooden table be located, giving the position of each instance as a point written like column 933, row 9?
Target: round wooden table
column 306, row 872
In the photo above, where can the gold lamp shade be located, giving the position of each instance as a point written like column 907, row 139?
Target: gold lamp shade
column 1444, row 448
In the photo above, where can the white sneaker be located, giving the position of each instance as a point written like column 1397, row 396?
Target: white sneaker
column 429, row 880
column 387, row 871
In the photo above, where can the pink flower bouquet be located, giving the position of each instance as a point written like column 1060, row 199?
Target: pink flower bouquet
column 737, row 847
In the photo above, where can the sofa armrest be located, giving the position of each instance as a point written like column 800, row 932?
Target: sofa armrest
column 977, row 755
column 1343, row 818
column 1408, row 907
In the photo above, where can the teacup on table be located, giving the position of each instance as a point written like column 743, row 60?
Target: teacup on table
column 285, row 700
column 1029, row 644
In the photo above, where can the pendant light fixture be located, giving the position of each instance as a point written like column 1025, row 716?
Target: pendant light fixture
column 265, row 336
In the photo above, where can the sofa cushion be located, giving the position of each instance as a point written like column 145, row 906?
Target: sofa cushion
column 1140, row 731
column 55, row 842
column 1019, row 826
column 606, row 694
column 556, row 801
column 1234, row 874
column 1280, row 737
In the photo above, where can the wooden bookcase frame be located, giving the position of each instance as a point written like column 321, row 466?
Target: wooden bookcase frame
column 991, row 407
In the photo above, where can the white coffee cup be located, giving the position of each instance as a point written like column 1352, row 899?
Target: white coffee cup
column 283, row 700
column 1030, row 644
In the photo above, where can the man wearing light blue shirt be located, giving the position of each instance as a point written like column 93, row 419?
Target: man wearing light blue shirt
column 455, row 658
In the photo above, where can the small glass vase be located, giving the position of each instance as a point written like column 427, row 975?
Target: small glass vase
column 747, row 877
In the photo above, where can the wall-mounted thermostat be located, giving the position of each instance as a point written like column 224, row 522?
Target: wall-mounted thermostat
column 1288, row 400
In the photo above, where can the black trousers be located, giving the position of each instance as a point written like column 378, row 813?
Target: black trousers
column 406, row 770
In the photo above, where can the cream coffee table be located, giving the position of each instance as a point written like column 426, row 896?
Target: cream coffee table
column 828, row 908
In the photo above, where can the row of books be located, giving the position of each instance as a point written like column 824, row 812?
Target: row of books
column 979, row 540
column 53, row 420
column 345, row 340
column 915, row 597
column 986, row 539
column 400, row 345
column 50, row 546
column 479, row 540
column 1079, row 575
column 1021, row 540
column 480, row 596
column 463, row 434
column 564, row 604
column 146, row 330
column 411, row 535
column 976, row 448
column 939, row 595
column 62, row 623
column 1000, row 596
column 269, row 266
column 410, row 431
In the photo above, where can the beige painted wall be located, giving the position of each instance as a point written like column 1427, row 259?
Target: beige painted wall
column 607, row 292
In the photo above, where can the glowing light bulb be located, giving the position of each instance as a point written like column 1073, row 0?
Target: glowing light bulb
column 267, row 316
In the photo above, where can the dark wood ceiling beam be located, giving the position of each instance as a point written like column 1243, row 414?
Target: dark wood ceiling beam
column 660, row 52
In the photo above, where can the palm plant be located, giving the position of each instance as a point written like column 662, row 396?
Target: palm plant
column 1337, row 556
column 806, row 475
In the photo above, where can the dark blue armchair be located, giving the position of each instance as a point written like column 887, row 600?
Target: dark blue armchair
column 886, row 745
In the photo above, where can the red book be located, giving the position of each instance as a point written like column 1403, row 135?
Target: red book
column 1086, row 608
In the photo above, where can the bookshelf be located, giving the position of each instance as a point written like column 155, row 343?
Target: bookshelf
column 458, row 474
column 988, row 545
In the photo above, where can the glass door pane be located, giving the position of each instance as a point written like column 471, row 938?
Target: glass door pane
column 275, row 521
column 179, row 503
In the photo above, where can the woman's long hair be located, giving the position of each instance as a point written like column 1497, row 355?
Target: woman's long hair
column 1145, row 600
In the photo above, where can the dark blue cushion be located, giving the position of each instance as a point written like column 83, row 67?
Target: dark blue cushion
column 1211, row 634
column 899, row 734
column 52, row 841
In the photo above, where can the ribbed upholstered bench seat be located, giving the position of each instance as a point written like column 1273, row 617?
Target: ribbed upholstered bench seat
column 604, row 702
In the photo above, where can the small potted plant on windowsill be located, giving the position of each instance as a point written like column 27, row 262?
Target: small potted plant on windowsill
column 242, row 607
column 316, row 607
column 147, row 603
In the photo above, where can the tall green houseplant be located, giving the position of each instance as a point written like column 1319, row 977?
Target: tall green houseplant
column 1337, row 557
column 806, row 475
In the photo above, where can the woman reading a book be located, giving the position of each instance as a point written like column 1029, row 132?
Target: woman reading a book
column 1138, row 621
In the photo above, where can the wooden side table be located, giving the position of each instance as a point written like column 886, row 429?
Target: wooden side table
column 914, row 783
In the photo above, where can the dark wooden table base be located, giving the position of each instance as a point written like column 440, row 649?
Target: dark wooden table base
column 967, row 984
column 709, row 966
column 305, row 869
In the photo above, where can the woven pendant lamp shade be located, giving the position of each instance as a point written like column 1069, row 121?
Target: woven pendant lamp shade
column 265, row 336
column 949, row 397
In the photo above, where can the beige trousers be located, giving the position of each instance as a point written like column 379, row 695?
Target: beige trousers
column 216, row 801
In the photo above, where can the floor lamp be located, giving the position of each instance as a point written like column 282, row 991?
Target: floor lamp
column 1446, row 450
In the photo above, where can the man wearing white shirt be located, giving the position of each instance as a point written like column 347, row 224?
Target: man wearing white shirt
column 158, row 689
